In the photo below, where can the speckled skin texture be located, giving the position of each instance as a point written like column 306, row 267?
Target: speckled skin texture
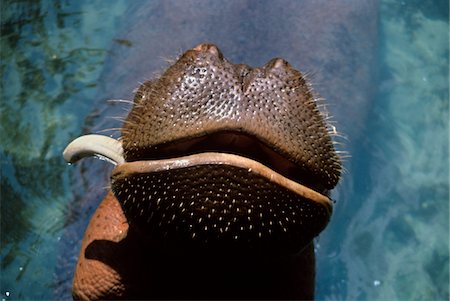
column 212, row 231
column 112, row 266
column 334, row 41
column 220, row 207
column 203, row 93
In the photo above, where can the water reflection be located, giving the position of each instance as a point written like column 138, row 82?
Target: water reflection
column 49, row 65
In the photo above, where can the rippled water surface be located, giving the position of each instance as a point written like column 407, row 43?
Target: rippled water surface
column 389, row 235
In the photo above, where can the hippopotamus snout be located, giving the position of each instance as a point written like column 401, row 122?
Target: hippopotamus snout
column 235, row 148
column 219, row 156
column 203, row 94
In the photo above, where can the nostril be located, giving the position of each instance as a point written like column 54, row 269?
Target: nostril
column 277, row 63
column 211, row 48
column 214, row 50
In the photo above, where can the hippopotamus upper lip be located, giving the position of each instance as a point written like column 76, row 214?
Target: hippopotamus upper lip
column 203, row 95
column 234, row 141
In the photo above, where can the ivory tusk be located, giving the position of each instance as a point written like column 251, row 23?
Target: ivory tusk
column 100, row 146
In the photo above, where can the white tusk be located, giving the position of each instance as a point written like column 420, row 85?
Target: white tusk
column 94, row 145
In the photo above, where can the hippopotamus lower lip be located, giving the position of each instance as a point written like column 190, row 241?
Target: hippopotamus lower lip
column 111, row 149
column 210, row 197
column 214, row 158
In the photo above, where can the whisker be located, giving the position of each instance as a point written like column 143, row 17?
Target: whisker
column 344, row 170
column 120, row 100
column 140, row 84
column 118, row 118
column 338, row 143
column 127, row 110
column 129, row 122
column 343, row 153
column 109, row 130
column 341, row 136
column 169, row 59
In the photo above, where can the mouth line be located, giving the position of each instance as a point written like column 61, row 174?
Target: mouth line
column 235, row 142
column 128, row 169
column 111, row 150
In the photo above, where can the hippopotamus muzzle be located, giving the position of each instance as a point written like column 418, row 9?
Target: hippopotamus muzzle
column 215, row 154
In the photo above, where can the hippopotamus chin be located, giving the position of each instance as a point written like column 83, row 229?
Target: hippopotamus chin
column 218, row 158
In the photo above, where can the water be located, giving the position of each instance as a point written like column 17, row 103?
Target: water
column 389, row 236
column 396, row 244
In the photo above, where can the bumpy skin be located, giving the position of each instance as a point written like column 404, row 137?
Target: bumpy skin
column 107, row 228
column 220, row 207
column 203, row 95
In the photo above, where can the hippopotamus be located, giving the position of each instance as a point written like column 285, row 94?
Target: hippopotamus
column 222, row 181
column 333, row 42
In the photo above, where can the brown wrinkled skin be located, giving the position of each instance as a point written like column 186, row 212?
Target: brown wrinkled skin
column 108, row 225
column 203, row 94
column 200, row 95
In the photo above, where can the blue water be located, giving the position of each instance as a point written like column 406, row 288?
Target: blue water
column 389, row 235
